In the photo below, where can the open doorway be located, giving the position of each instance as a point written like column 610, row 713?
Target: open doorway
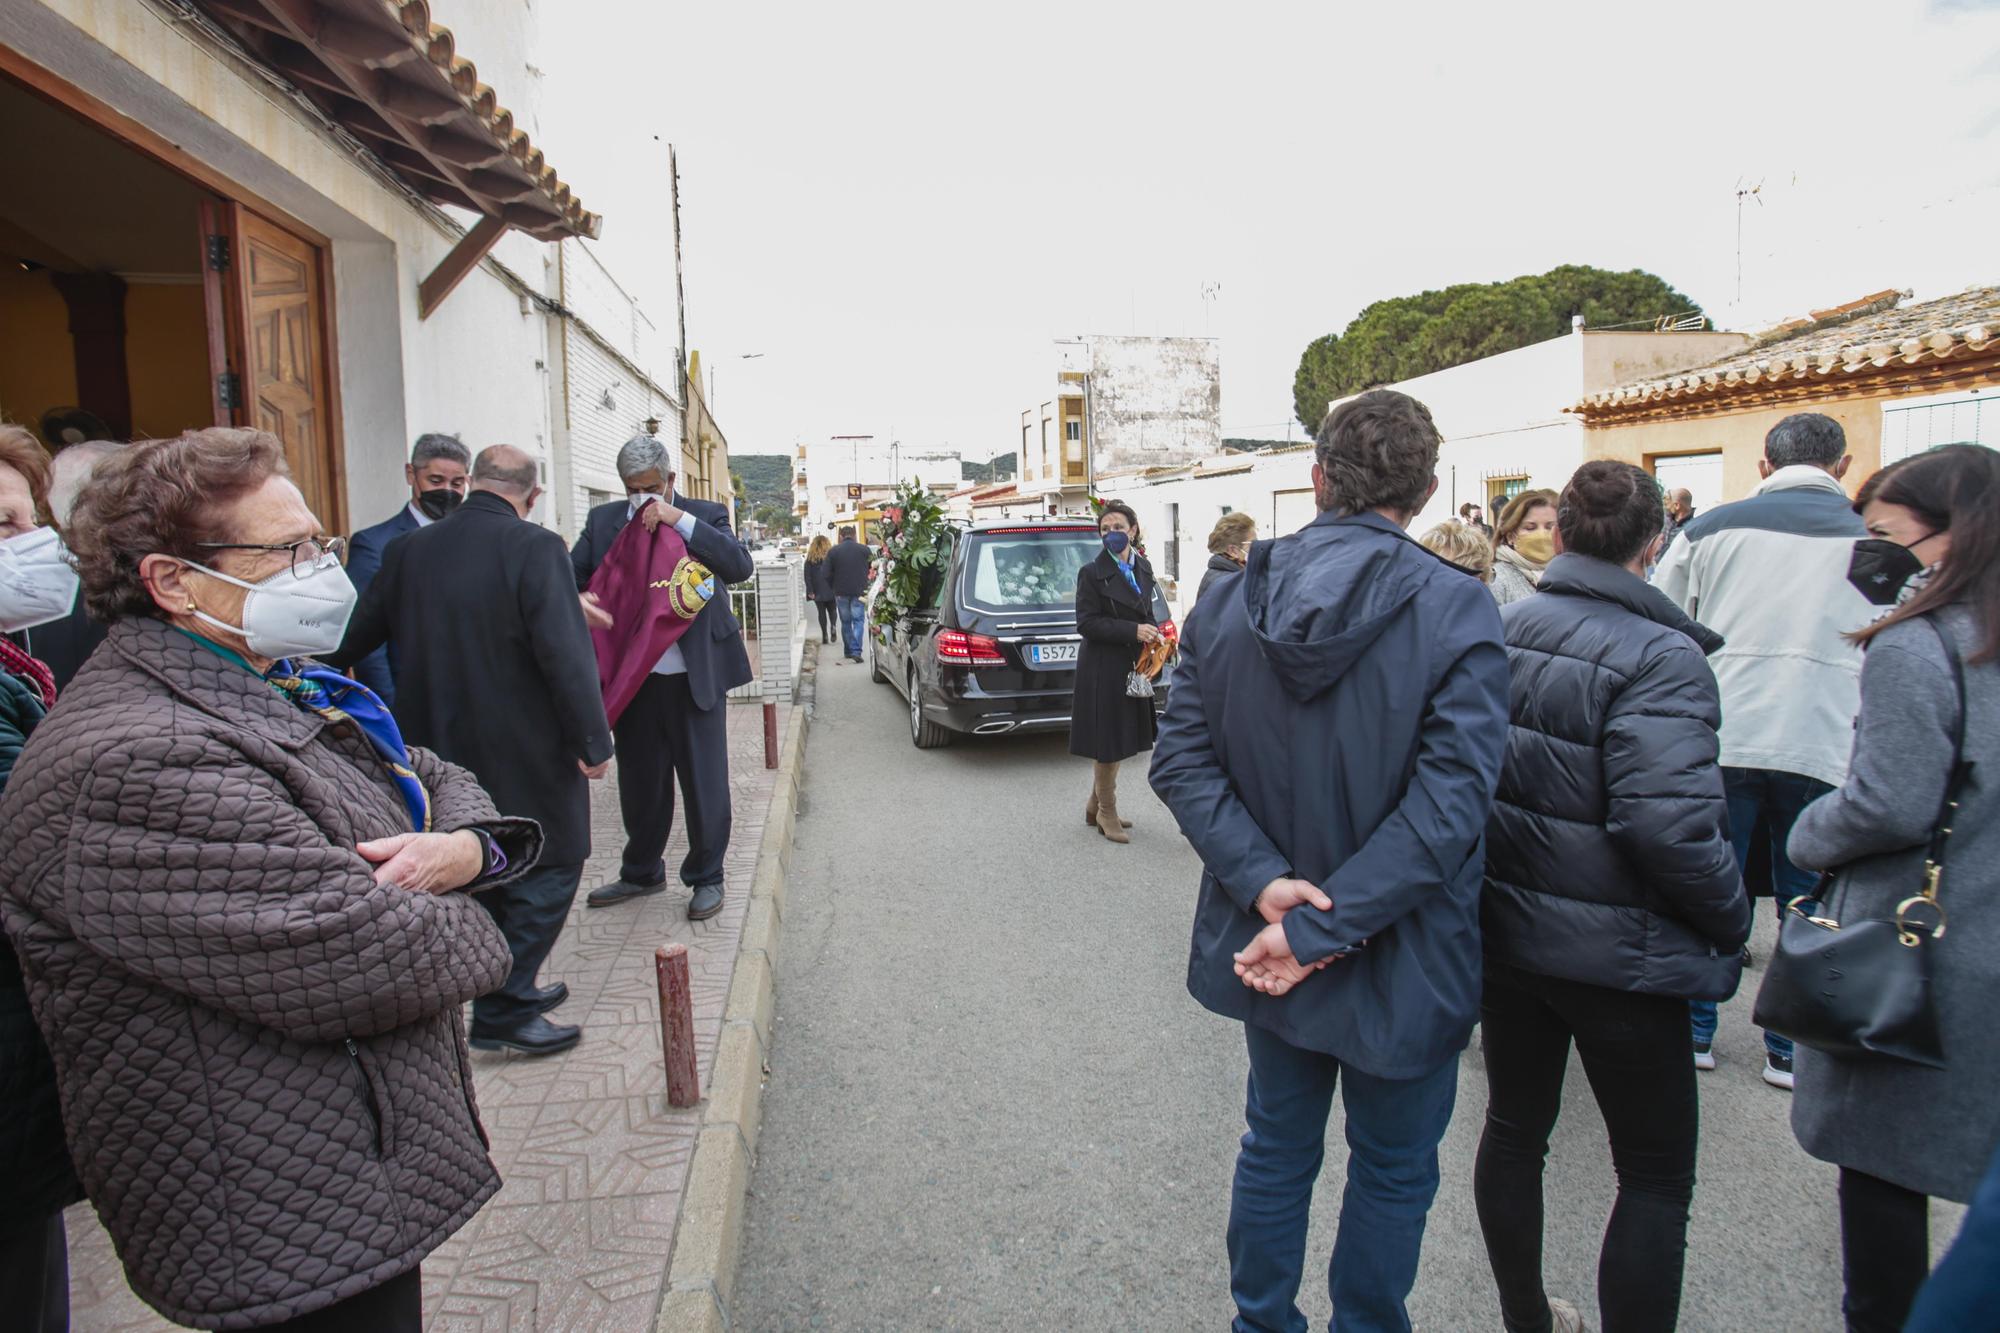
column 138, row 302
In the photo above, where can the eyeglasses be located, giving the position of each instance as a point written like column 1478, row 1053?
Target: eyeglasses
column 307, row 554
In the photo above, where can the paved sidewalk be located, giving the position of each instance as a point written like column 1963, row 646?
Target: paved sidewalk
column 593, row 1159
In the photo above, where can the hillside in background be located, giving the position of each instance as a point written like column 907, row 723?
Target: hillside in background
column 1000, row 469
column 767, row 485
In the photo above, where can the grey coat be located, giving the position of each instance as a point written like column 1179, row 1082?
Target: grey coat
column 1514, row 578
column 1928, row 1130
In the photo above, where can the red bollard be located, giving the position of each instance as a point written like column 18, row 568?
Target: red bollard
column 677, row 1025
column 770, row 735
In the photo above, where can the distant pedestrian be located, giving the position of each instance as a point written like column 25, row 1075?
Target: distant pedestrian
column 1331, row 748
column 1116, row 615
column 1228, row 549
column 497, row 673
column 1463, row 545
column 850, row 569
column 1901, row 1133
column 1523, row 545
column 1472, row 516
column 819, row 587
column 1680, row 512
column 437, row 479
column 34, row 1249
column 1611, row 899
column 1769, row 574
column 241, row 902
column 675, row 731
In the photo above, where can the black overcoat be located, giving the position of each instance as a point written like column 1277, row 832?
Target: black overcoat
column 494, row 665
column 1105, row 723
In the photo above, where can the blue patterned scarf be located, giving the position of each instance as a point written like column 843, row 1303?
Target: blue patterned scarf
column 328, row 694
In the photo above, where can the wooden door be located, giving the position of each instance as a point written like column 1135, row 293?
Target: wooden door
column 285, row 383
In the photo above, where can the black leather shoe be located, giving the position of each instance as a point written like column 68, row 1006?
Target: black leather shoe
column 530, row 1036
column 623, row 891
column 550, row 997
column 707, row 901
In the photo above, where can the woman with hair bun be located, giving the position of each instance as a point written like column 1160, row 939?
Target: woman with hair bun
column 1114, row 614
column 1611, row 899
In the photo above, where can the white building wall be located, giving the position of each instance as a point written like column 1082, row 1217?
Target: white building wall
column 606, row 401
column 1152, row 401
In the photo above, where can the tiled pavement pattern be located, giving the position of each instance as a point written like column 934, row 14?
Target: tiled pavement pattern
column 593, row 1159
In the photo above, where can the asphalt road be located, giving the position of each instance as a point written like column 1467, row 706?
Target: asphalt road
column 993, row 1105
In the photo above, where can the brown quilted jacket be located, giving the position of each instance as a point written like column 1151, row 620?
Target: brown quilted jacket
column 260, row 1052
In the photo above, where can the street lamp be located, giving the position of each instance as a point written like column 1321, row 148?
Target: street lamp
column 740, row 356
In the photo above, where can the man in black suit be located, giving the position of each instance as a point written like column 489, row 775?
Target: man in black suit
column 436, row 477
column 495, row 671
column 677, row 725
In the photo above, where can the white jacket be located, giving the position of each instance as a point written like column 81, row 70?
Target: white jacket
column 1769, row 574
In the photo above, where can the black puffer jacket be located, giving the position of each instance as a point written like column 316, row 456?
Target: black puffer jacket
column 1607, row 853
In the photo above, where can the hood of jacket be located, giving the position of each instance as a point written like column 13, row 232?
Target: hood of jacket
column 1316, row 605
column 1573, row 575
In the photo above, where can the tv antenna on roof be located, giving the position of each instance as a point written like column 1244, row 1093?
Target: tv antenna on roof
column 1211, row 292
column 1744, row 192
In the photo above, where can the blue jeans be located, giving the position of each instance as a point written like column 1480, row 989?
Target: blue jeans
column 1393, row 1128
column 853, row 611
column 1764, row 803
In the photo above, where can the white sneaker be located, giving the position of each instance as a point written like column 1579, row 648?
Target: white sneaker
column 1778, row 1071
column 1564, row 1317
column 1704, row 1055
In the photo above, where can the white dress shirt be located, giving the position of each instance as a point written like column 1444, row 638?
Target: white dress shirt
column 671, row 662
column 423, row 520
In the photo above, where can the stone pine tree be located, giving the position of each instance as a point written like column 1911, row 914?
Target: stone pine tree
column 1407, row 336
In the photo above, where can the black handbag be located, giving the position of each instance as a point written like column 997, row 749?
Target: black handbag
column 1862, row 989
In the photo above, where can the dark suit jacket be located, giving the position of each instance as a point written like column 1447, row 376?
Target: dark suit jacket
column 494, row 668
column 717, row 661
column 364, row 560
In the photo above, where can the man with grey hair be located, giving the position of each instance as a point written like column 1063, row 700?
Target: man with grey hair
column 676, row 727
column 1769, row 574
column 65, row 645
column 436, row 476
column 498, row 674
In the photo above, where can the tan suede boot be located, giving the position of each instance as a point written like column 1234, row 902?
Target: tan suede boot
column 1108, row 822
column 1090, row 807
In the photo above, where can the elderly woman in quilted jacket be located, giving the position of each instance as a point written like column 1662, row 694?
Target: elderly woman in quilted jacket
column 1611, row 899
column 239, row 902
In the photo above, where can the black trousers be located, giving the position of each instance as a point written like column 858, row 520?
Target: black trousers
column 34, row 1276
column 397, row 1306
column 829, row 623
column 662, row 737
column 1639, row 1057
column 530, row 913
column 1885, row 1250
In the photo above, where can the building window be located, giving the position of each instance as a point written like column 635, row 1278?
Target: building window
column 1174, row 542
column 1072, row 429
column 1916, row 424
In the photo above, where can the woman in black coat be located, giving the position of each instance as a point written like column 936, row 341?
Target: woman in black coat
column 1611, row 899
column 1114, row 613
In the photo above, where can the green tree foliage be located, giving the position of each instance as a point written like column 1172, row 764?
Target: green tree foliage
column 1408, row 336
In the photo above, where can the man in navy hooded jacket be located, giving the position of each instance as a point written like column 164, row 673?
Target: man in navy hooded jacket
column 1331, row 748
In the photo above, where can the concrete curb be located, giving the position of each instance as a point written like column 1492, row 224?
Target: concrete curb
column 701, row 1270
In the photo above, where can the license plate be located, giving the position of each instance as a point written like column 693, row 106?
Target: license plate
column 1052, row 654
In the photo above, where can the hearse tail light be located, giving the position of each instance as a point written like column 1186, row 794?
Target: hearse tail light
column 962, row 649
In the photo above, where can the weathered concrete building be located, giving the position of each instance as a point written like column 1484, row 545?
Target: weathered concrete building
column 1119, row 404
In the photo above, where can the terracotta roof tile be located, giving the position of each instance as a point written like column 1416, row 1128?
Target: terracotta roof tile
column 1873, row 333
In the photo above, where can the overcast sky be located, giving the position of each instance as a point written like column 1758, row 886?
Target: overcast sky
column 900, row 206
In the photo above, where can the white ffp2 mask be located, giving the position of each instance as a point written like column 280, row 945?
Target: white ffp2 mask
column 289, row 616
column 37, row 582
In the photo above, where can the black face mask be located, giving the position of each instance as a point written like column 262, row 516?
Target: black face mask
column 439, row 502
column 1879, row 568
